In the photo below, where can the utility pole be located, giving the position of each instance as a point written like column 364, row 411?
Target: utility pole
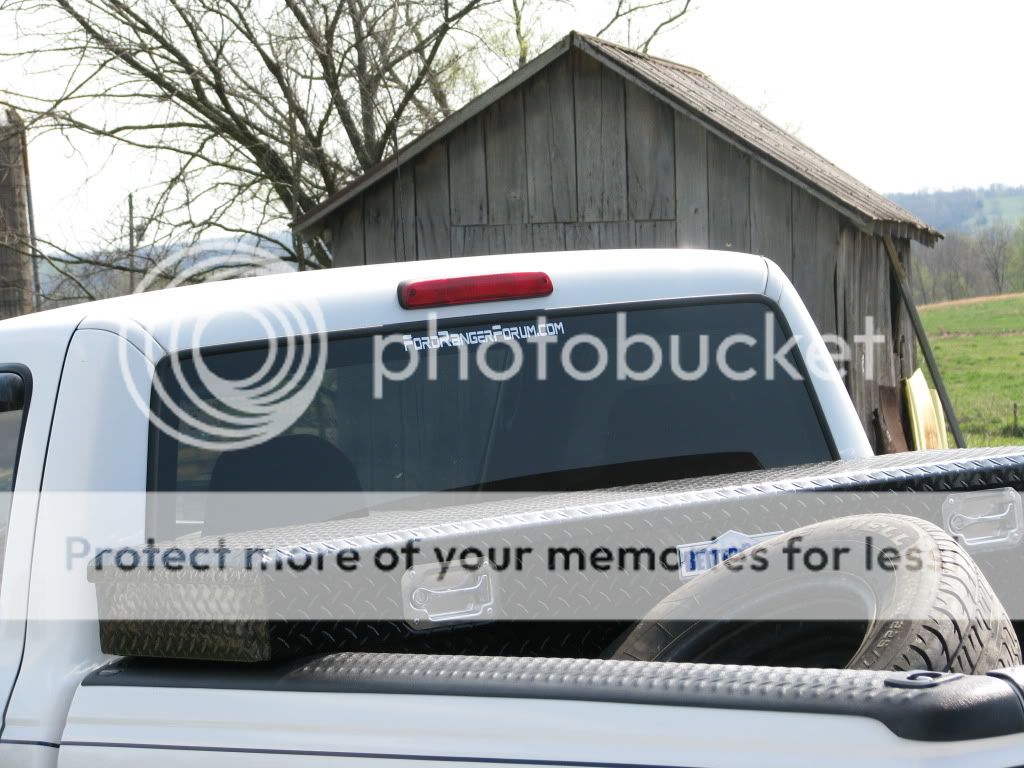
column 37, row 290
column 16, row 246
column 131, row 242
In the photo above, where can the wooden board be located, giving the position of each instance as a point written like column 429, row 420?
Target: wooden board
column 581, row 237
column 600, row 141
column 548, row 237
column 874, row 303
column 509, row 238
column 827, row 248
column 862, row 292
column 889, row 422
column 846, row 255
column 506, row 161
column 616, row 234
column 881, row 310
column 815, row 241
column 551, row 144
column 655, row 234
column 470, row 241
column 805, row 239
column 405, row 213
column 467, row 170
column 728, row 196
column 903, row 327
column 379, row 222
column 771, row 216
column 691, row 158
column 650, row 155
column 347, row 246
column 433, row 222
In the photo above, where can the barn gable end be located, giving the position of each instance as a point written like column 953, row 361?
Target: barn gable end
column 595, row 146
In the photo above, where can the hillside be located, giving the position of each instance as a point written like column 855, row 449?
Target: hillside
column 964, row 210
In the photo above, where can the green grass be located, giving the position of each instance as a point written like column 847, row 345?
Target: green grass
column 980, row 350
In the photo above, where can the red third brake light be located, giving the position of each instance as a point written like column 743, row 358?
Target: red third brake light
column 469, row 290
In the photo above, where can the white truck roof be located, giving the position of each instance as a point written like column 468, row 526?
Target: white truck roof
column 366, row 297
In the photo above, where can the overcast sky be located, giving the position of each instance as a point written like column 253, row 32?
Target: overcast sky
column 903, row 94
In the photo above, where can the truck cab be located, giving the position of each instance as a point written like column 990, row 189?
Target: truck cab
column 108, row 405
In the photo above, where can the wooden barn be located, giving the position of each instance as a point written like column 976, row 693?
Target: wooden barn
column 592, row 145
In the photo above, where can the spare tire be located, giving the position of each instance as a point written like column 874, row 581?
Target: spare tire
column 944, row 617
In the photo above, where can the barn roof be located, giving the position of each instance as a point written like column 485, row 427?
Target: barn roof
column 695, row 94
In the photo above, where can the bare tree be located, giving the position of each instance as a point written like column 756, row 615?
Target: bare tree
column 995, row 253
column 254, row 111
column 987, row 261
column 947, row 270
column 263, row 107
column 637, row 23
column 922, row 276
column 1017, row 258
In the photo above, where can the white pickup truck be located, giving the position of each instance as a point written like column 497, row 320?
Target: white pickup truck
column 107, row 407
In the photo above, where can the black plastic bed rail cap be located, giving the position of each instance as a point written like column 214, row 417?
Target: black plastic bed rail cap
column 918, row 705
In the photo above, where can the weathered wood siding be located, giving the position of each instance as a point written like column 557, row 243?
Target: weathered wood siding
column 868, row 305
column 580, row 158
column 575, row 158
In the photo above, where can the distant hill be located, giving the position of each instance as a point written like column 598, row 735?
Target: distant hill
column 964, row 210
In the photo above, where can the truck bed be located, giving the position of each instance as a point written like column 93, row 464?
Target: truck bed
column 590, row 607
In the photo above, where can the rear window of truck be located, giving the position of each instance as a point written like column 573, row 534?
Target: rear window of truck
column 564, row 402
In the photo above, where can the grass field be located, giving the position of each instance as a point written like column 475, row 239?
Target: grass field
column 979, row 344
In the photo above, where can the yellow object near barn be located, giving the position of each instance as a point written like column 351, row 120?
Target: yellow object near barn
column 927, row 419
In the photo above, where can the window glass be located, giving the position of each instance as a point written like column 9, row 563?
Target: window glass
column 536, row 430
